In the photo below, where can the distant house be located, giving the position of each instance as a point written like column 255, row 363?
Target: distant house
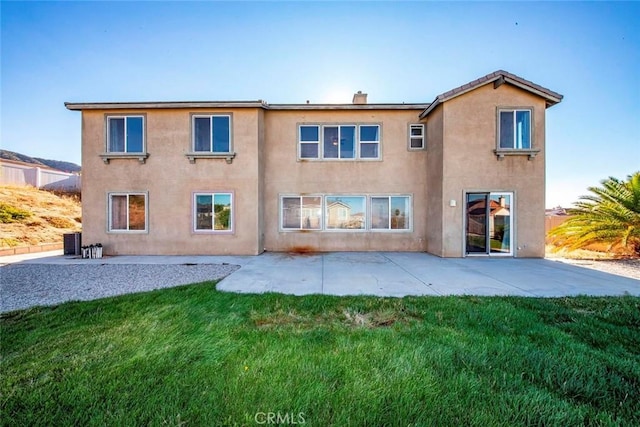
column 339, row 216
column 557, row 211
column 460, row 176
column 554, row 217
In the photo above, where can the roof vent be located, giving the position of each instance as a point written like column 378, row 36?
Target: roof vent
column 359, row 98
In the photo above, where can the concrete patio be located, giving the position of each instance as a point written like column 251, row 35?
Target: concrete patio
column 398, row 274
column 394, row 274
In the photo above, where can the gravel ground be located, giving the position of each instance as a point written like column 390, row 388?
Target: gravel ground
column 621, row 267
column 27, row 285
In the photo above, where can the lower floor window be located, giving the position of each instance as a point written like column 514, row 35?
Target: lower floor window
column 127, row 212
column 213, row 212
column 301, row 213
column 390, row 213
column 345, row 212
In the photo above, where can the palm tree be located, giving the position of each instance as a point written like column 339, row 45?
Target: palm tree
column 611, row 214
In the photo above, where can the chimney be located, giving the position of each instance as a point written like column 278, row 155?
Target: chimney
column 359, row 98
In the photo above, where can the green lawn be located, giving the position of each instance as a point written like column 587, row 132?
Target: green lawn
column 193, row 356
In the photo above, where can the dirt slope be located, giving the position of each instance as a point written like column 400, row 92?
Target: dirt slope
column 29, row 216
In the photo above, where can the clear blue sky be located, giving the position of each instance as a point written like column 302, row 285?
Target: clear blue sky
column 289, row 52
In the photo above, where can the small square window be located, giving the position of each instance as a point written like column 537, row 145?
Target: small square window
column 416, row 137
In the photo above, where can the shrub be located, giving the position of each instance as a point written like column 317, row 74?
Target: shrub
column 59, row 222
column 9, row 242
column 9, row 214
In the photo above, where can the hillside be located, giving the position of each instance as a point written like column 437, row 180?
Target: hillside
column 56, row 164
column 29, row 216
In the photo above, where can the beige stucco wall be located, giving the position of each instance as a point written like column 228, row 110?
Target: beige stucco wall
column 399, row 172
column 469, row 164
column 434, row 171
column 461, row 137
column 170, row 180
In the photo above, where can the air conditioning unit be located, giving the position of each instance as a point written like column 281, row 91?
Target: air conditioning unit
column 72, row 243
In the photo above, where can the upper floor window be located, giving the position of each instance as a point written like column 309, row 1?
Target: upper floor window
column 515, row 129
column 369, row 141
column 416, row 136
column 127, row 212
column 125, row 134
column 339, row 142
column 212, row 133
column 309, row 137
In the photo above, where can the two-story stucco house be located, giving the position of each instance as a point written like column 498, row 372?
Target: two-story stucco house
column 462, row 175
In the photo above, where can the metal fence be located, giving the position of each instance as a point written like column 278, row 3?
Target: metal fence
column 48, row 179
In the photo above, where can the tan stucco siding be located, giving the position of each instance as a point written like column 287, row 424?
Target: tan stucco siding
column 170, row 181
column 470, row 164
column 261, row 179
column 461, row 139
column 399, row 171
column 434, row 170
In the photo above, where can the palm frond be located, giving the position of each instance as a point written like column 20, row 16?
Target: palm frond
column 610, row 215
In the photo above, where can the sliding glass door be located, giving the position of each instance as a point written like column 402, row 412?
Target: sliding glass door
column 489, row 220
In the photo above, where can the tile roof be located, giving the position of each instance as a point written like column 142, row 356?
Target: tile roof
column 502, row 76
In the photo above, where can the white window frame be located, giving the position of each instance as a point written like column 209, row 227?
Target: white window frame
column 421, row 137
column 194, row 212
column 341, row 216
column 324, row 215
column 514, row 112
column 110, row 228
column 389, row 229
column 501, row 152
column 125, row 117
column 299, row 197
column 357, row 142
column 211, row 116
column 317, row 142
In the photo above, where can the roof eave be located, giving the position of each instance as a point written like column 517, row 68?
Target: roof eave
column 347, row 106
column 80, row 106
column 430, row 108
column 551, row 98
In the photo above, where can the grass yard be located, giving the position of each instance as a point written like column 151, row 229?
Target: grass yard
column 192, row 356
